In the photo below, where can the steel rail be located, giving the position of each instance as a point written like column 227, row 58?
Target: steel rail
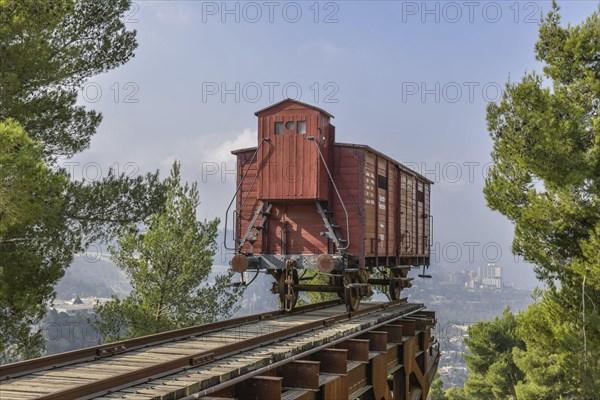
column 8, row 371
column 304, row 354
column 158, row 370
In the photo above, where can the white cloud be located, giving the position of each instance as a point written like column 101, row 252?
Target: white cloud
column 220, row 152
column 167, row 162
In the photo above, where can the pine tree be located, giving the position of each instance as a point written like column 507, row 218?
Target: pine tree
column 48, row 50
column 546, row 180
column 169, row 266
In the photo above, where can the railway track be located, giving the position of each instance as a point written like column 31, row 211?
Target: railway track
column 240, row 358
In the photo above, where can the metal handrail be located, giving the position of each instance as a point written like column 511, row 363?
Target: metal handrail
column 312, row 138
column 238, row 189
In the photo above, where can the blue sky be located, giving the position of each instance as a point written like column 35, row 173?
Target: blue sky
column 409, row 78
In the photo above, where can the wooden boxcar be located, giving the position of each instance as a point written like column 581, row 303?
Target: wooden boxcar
column 304, row 201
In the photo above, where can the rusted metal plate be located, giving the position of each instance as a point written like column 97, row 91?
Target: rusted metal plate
column 357, row 377
column 335, row 389
column 379, row 377
column 408, row 327
column 261, row 387
column 300, row 374
column 377, row 340
column 409, row 353
column 333, row 361
column 358, row 349
column 228, row 393
column 394, row 332
column 393, row 357
column 295, row 229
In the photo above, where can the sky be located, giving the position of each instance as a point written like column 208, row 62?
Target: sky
column 409, row 78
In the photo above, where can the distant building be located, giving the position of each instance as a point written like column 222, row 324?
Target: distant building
column 488, row 276
column 77, row 304
column 459, row 278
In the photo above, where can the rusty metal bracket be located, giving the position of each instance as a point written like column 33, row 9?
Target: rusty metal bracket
column 110, row 350
column 204, row 359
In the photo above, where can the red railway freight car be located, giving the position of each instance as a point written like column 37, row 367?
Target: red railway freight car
column 304, row 202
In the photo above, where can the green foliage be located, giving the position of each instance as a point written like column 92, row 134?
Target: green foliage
column 559, row 363
column 318, row 297
column 547, row 153
column 32, row 235
column 545, row 179
column 47, row 51
column 456, row 394
column 436, row 391
column 66, row 332
column 168, row 266
column 493, row 373
column 97, row 211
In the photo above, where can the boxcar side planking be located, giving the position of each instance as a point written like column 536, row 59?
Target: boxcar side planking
column 304, row 202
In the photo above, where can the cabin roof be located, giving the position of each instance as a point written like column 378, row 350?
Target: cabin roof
column 295, row 102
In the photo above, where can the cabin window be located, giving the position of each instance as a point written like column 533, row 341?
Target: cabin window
column 382, row 182
column 420, row 196
column 278, row 128
column 301, row 127
column 290, row 125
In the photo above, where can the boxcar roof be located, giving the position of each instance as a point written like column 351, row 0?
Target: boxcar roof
column 244, row 150
column 380, row 154
column 293, row 101
column 359, row 146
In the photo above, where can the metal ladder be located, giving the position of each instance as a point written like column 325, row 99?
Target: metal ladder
column 333, row 230
column 254, row 228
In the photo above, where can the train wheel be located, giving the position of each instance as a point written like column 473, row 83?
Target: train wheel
column 351, row 295
column 287, row 295
column 395, row 287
